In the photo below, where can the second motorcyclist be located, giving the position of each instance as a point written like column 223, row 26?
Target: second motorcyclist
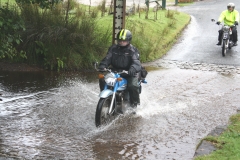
column 230, row 17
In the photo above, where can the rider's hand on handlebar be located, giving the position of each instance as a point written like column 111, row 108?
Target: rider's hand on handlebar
column 218, row 22
column 236, row 22
column 101, row 67
column 132, row 71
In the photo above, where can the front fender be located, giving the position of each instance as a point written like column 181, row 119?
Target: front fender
column 225, row 36
column 106, row 93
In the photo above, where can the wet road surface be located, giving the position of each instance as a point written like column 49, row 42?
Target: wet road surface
column 178, row 108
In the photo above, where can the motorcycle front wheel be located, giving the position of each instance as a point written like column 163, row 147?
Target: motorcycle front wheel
column 224, row 48
column 102, row 116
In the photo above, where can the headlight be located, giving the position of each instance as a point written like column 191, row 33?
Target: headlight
column 226, row 28
column 110, row 79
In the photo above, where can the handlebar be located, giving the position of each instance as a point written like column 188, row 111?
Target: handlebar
column 108, row 69
column 227, row 25
column 213, row 20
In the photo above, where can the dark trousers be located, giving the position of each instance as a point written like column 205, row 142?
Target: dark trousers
column 133, row 88
column 234, row 35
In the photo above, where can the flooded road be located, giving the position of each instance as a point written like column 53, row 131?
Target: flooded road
column 52, row 115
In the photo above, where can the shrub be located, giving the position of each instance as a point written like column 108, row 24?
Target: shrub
column 10, row 26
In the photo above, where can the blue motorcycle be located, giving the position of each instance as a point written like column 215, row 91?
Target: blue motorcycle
column 113, row 97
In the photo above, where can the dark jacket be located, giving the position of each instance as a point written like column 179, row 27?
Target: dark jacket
column 122, row 58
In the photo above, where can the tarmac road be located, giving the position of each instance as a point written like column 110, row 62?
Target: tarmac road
column 198, row 43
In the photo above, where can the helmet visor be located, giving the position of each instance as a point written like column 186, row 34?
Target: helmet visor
column 122, row 42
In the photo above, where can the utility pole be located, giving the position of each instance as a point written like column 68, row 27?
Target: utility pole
column 118, row 17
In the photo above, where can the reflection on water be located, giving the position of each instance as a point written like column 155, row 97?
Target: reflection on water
column 37, row 81
column 46, row 115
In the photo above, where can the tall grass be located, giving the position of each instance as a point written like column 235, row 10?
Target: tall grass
column 57, row 39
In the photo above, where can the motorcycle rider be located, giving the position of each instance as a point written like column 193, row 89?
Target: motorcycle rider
column 230, row 18
column 124, row 56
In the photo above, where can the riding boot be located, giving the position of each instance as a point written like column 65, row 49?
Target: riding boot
column 220, row 33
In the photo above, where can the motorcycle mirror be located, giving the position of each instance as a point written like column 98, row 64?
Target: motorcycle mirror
column 213, row 20
column 95, row 64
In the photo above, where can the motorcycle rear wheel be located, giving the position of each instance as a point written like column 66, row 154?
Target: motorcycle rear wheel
column 102, row 116
column 224, row 48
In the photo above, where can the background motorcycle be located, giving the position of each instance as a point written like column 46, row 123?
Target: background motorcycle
column 227, row 42
column 114, row 99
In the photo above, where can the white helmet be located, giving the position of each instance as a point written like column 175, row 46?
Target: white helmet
column 231, row 5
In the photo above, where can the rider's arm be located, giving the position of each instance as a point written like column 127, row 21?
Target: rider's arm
column 222, row 16
column 236, row 16
column 107, row 60
column 134, row 49
column 135, row 61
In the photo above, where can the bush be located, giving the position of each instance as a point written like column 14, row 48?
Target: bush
column 10, row 26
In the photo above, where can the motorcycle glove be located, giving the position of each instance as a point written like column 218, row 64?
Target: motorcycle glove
column 132, row 71
column 218, row 22
column 236, row 23
column 101, row 67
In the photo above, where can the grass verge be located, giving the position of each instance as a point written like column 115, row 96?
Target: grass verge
column 228, row 143
column 153, row 36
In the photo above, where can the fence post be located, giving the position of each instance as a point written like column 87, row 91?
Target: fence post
column 163, row 4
